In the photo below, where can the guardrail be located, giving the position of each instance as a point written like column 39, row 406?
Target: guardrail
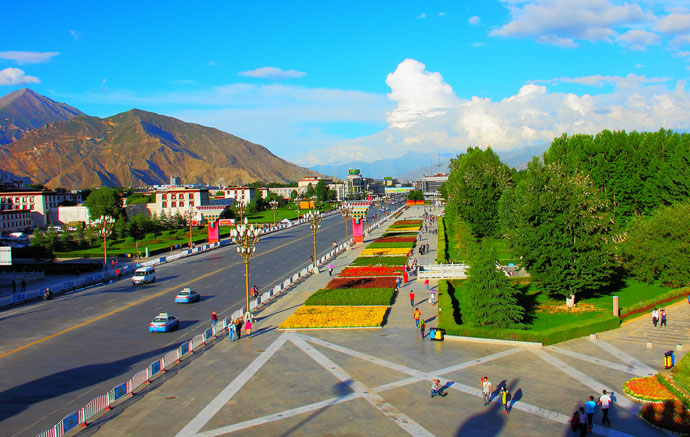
column 126, row 389
column 442, row 271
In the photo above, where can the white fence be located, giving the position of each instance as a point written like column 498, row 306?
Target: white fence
column 442, row 271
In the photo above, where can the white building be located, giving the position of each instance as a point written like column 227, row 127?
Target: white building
column 37, row 202
column 244, row 195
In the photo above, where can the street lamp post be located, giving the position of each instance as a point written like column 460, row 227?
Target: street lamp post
column 314, row 218
column 245, row 237
column 188, row 215
column 274, row 206
column 104, row 224
column 345, row 212
column 241, row 210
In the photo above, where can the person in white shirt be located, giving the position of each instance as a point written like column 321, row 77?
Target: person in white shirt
column 655, row 317
column 487, row 389
column 605, row 402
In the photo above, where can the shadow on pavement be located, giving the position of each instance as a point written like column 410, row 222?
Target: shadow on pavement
column 485, row 424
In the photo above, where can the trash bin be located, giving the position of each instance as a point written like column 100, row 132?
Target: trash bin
column 432, row 333
column 669, row 359
column 436, row 334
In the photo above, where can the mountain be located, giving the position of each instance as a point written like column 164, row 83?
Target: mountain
column 23, row 110
column 138, row 148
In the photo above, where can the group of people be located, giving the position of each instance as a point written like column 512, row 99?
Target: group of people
column 488, row 391
column 583, row 417
column 235, row 328
column 658, row 316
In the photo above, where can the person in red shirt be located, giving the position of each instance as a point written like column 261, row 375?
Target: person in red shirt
column 411, row 298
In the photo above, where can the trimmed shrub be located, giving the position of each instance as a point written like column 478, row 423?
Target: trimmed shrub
column 648, row 305
column 388, row 245
column 383, row 261
column 129, row 240
column 442, row 251
column 351, row 296
column 150, row 237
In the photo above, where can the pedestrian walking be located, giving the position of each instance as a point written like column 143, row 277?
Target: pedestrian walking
column 435, row 383
column 417, row 316
column 432, row 297
column 487, row 389
column 248, row 327
column 398, row 281
column 575, row 421
column 23, row 285
column 405, row 276
column 655, row 317
column 422, row 325
column 238, row 328
column 605, row 402
column 505, row 398
column 214, row 318
column 232, row 332
column 663, row 317
column 14, row 286
column 330, row 270
column 589, row 410
column 118, row 273
column 583, row 422
column 411, row 298
column 426, row 284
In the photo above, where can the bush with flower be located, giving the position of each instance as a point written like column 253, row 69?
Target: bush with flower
column 365, row 271
column 668, row 415
column 335, row 317
column 381, row 282
column 647, row 389
column 393, row 251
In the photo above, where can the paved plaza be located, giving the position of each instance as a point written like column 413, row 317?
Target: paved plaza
column 377, row 381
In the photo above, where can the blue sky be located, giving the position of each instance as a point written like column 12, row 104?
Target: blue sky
column 325, row 82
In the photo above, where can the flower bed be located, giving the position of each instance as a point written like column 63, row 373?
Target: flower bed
column 393, row 251
column 395, row 239
column 647, row 389
column 382, row 282
column 400, row 235
column 667, row 415
column 365, row 271
column 373, row 261
column 407, row 222
column 402, row 229
column 335, row 317
column 351, row 296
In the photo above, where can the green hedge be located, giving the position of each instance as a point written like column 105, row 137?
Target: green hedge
column 441, row 251
column 647, row 305
column 380, row 260
column 446, row 321
column 385, row 245
column 674, row 389
column 351, row 296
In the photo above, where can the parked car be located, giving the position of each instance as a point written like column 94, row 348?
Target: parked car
column 164, row 322
column 187, row 295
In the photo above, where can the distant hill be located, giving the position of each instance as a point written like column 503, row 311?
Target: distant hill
column 138, row 148
column 23, row 110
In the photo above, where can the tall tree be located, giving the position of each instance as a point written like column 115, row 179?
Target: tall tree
column 490, row 298
column 475, row 184
column 105, row 201
column 658, row 247
column 562, row 229
column 321, row 191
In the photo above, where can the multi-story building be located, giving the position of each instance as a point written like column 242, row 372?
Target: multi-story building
column 174, row 200
column 244, row 195
column 37, row 202
column 13, row 220
column 355, row 182
column 430, row 185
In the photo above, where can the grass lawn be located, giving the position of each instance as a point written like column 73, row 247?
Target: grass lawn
column 380, row 260
column 266, row 216
column 351, row 296
column 505, row 253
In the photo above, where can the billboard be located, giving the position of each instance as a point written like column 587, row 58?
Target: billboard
column 5, row 255
column 394, row 190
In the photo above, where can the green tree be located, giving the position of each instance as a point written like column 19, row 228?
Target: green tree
column 463, row 238
column 562, row 229
column 293, row 195
column 321, row 191
column 415, row 195
column 658, row 247
column 105, row 201
column 490, row 299
column 42, row 245
column 310, row 190
column 475, row 184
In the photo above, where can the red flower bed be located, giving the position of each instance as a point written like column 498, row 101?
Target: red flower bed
column 362, row 283
column 647, row 389
column 670, row 415
column 408, row 222
column 395, row 240
column 353, row 272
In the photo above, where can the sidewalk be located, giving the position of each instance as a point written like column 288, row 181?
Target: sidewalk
column 376, row 381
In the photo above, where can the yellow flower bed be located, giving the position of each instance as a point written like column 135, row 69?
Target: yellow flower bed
column 405, row 229
column 392, row 251
column 335, row 317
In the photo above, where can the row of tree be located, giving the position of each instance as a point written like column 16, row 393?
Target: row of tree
column 594, row 208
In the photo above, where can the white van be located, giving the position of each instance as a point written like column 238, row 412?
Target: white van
column 144, row 275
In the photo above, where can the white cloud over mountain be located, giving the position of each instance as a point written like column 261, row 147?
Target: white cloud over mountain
column 429, row 117
column 15, row 76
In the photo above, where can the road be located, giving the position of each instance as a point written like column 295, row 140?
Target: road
column 56, row 356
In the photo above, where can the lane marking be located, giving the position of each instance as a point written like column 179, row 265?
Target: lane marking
column 160, row 293
column 590, row 359
column 627, row 359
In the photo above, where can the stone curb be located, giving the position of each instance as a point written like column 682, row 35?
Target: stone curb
column 494, row 341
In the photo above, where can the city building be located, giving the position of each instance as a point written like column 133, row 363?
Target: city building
column 13, row 220
column 355, row 183
column 177, row 200
column 37, row 202
column 430, row 185
column 243, row 195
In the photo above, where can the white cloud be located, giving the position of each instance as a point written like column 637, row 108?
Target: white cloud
column 417, row 92
column 273, row 73
column 212, row 63
column 640, row 65
column 28, row 57
column 561, row 22
column 75, row 34
column 441, row 14
column 674, row 23
column 15, row 76
column 474, row 20
column 638, row 39
column 680, row 41
column 436, row 120
column 422, row 15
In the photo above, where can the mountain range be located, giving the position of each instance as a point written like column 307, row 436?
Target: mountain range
column 134, row 148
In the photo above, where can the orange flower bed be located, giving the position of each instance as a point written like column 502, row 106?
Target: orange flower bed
column 647, row 389
column 364, row 271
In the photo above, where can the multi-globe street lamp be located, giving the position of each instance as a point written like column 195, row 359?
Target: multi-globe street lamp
column 314, row 219
column 346, row 213
column 245, row 237
column 189, row 215
column 104, row 224
column 241, row 210
column 274, row 206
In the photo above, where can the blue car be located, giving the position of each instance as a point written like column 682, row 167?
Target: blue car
column 187, row 295
column 164, row 322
